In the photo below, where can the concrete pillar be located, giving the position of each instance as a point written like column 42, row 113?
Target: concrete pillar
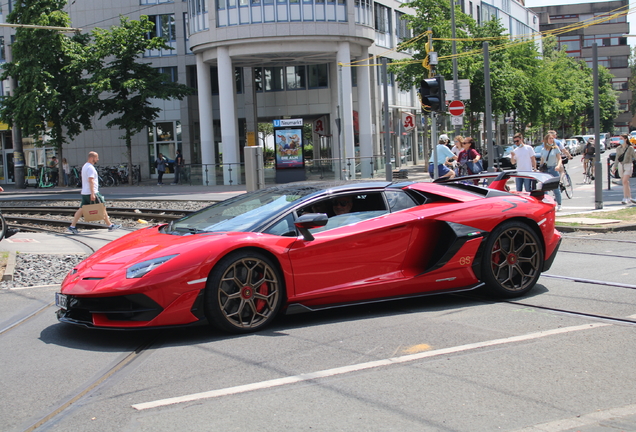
column 204, row 94
column 346, row 108
column 364, row 115
column 229, row 120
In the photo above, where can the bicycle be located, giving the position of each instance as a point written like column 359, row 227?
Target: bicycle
column 588, row 175
column 5, row 231
column 566, row 183
column 75, row 178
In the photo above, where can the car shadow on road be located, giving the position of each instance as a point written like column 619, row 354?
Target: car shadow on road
column 103, row 340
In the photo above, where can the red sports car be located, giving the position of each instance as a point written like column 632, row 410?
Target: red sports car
column 308, row 246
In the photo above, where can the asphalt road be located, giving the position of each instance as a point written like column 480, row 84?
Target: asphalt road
column 562, row 358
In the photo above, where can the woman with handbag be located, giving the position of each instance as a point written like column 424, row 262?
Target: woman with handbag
column 469, row 158
column 551, row 163
column 624, row 163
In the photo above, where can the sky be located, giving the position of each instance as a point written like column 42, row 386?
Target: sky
column 631, row 17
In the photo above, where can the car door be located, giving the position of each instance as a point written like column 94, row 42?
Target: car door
column 353, row 262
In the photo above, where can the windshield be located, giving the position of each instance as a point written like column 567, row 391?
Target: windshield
column 242, row 213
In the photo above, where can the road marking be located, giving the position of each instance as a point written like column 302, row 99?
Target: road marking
column 609, row 415
column 357, row 367
column 416, row 349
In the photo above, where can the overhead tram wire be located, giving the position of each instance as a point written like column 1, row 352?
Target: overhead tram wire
column 518, row 41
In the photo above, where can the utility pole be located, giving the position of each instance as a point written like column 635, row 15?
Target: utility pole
column 16, row 135
column 387, row 135
column 488, row 113
column 458, row 127
column 598, row 169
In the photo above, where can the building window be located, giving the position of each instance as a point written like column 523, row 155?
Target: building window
column 570, row 43
column 600, row 15
column 171, row 73
column 620, row 84
column 274, row 78
column 296, row 79
column 488, row 13
column 165, row 29
column 198, row 13
column 318, row 76
column 382, row 26
column 618, row 62
column 364, row 12
column 402, row 31
column 605, row 40
column 505, row 6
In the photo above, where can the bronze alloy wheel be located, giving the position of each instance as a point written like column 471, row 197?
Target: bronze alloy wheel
column 244, row 292
column 513, row 261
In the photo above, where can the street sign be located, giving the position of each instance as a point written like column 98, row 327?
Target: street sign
column 408, row 121
column 456, row 108
column 457, row 120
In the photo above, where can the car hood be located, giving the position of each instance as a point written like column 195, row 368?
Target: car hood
column 143, row 245
column 104, row 272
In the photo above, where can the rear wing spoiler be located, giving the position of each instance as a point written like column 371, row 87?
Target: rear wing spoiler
column 543, row 182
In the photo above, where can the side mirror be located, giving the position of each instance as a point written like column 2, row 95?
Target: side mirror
column 309, row 221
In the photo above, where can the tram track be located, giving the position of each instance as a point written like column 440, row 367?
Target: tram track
column 92, row 384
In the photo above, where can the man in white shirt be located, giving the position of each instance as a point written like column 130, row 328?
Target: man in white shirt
column 90, row 193
column 523, row 156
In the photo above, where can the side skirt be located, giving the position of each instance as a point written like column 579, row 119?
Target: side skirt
column 296, row 308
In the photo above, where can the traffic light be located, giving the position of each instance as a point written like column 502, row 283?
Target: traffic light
column 433, row 94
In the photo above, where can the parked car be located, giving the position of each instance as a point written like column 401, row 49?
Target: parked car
column 573, row 146
column 309, row 246
column 614, row 141
column 583, row 140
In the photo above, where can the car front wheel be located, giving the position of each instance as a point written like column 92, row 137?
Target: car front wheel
column 244, row 292
column 513, row 260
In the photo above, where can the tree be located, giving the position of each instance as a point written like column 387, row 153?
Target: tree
column 128, row 86
column 52, row 97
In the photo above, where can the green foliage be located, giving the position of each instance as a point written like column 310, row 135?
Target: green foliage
column 53, row 96
column 555, row 92
column 128, row 85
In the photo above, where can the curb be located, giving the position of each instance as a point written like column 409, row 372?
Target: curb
column 625, row 227
column 9, row 270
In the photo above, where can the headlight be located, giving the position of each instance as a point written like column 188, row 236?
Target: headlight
column 138, row 270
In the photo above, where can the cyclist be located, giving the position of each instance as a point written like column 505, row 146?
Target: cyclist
column 588, row 156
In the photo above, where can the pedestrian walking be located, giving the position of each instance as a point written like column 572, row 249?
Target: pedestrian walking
column 550, row 162
column 178, row 165
column 90, row 193
column 625, row 166
column 66, row 171
column 160, row 164
column 523, row 157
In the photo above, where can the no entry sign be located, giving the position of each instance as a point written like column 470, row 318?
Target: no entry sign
column 456, row 108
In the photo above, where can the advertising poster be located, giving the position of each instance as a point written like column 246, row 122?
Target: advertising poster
column 289, row 148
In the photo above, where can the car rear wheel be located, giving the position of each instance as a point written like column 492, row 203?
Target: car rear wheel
column 244, row 292
column 513, row 260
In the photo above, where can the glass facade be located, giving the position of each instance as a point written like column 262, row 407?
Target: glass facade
column 240, row 12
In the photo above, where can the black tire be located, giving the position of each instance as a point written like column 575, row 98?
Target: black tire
column 567, row 186
column 244, row 293
column 513, row 259
column 3, row 227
